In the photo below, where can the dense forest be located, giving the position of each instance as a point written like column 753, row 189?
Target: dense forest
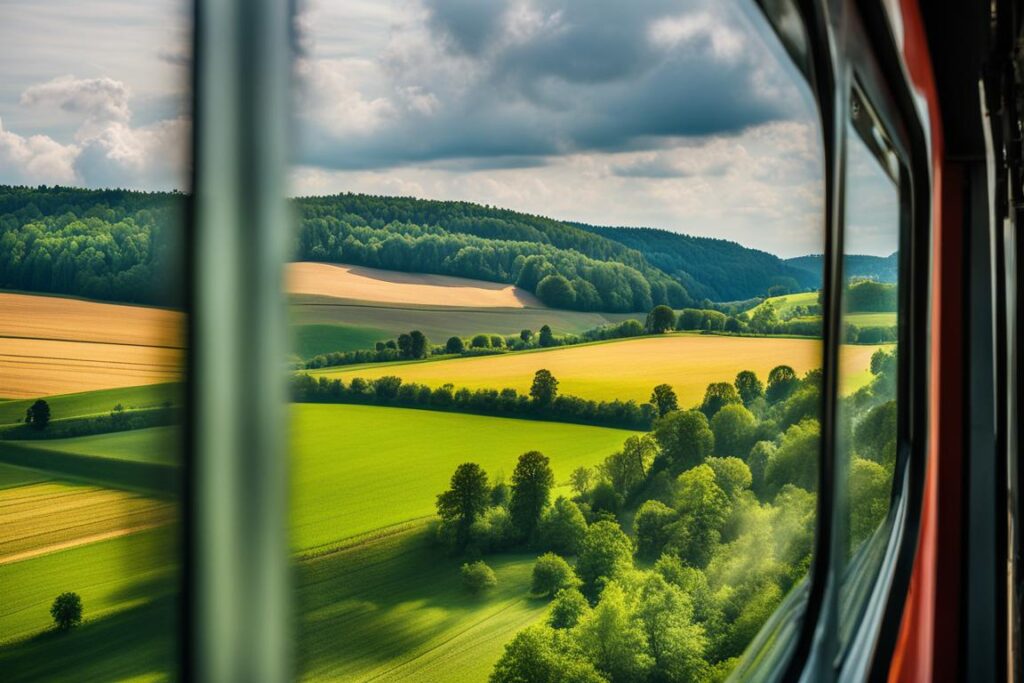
column 125, row 246
column 880, row 268
column 713, row 269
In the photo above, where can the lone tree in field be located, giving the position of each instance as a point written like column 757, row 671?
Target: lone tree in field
column 38, row 414
column 661, row 319
column 419, row 346
column 546, row 337
column 664, row 399
column 454, row 345
column 478, row 577
column 66, row 611
column 532, row 480
column 544, row 388
column 465, row 500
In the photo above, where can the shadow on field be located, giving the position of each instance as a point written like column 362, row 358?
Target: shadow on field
column 367, row 610
column 134, row 642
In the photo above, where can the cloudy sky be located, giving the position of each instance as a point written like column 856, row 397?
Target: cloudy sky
column 678, row 114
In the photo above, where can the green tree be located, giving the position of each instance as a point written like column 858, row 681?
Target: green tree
column 562, row 527
column 405, row 345
column 765, row 319
column 386, row 388
column 526, row 336
column 580, row 480
column 732, row 475
column 748, row 386
column 675, row 642
column 568, row 607
column 419, row 346
column 478, row 577
column 870, row 490
column 796, row 460
column 604, row 498
column 544, row 388
column 613, row 639
column 556, row 291
column 651, row 526
column 532, row 480
column 627, row 469
column 661, row 319
column 760, row 455
column 782, row 381
column 717, row 396
column 38, row 414
column 606, row 553
column 551, row 573
column 464, row 501
column 690, row 319
column 685, row 439
column 734, row 427
column 534, row 657
column 455, row 345
column 546, row 337
column 480, row 341
column 66, row 611
column 703, row 510
column 875, row 437
column 664, row 399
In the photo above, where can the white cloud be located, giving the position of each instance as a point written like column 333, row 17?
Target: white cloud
column 35, row 160
column 99, row 99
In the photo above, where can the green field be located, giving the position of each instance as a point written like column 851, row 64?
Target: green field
column 357, row 469
column 871, row 319
column 394, row 609
column 625, row 369
column 158, row 445
column 311, row 340
column 441, row 322
column 11, row 476
column 785, row 304
column 95, row 402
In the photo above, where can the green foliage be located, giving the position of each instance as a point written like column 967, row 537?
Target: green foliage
column 664, row 399
column 685, row 439
column 731, row 474
column 627, row 469
column 749, row 387
column 613, row 640
column 675, row 642
column 557, row 292
column 717, row 396
column 464, row 501
column 651, row 526
column 690, row 319
column 544, row 388
column 532, row 480
column 454, row 345
column 551, row 574
column 703, row 510
column 605, row 554
column 478, row 577
column 38, row 415
column 661, row 319
column 874, row 437
column 760, row 455
column 870, row 489
column 796, row 460
column 782, row 381
column 605, row 499
column 534, row 656
column 481, row 341
column 580, row 480
column 66, row 611
column 734, row 428
column 562, row 527
column 492, row 531
column 568, row 607
column 871, row 296
column 546, row 338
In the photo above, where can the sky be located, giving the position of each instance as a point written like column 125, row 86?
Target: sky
column 677, row 114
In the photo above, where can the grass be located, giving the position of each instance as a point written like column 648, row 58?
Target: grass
column 11, row 476
column 357, row 469
column 872, row 319
column 311, row 340
column 441, row 322
column 95, row 402
column 785, row 304
column 109, row 576
column 50, row 516
column 626, row 369
column 394, row 609
column 158, row 445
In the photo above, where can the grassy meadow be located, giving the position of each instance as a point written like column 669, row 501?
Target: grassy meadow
column 625, row 369
column 359, row 469
column 157, row 445
column 784, row 305
column 100, row 402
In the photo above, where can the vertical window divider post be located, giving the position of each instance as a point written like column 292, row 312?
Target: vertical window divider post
column 236, row 624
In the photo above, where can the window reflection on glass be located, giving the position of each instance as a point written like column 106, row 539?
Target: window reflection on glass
column 521, row 440
column 867, row 410
column 93, row 145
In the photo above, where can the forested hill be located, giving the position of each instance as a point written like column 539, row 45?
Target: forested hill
column 122, row 246
column 715, row 269
column 881, row 268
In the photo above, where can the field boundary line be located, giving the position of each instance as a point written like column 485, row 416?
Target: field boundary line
column 74, row 543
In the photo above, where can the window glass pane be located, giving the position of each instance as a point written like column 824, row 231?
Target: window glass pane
column 93, row 144
column 557, row 339
column 867, row 411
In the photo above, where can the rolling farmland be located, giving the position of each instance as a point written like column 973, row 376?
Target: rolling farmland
column 358, row 469
column 626, row 369
column 157, row 445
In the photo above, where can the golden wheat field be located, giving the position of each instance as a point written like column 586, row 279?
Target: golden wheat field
column 388, row 286
column 55, row 345
column 40, row 518
column 629, row 369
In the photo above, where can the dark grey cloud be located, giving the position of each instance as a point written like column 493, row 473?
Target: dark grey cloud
column 515, row 79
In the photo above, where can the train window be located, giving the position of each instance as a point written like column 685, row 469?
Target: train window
column 557, row 340
column 868, row 407
column 93, row 159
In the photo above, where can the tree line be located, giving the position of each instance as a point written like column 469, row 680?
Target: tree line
column 722, row 501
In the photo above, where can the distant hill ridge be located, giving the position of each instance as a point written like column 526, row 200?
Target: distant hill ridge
column 881, row 268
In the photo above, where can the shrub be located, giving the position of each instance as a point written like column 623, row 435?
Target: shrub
column 66, row 611
column 551, row 574
column 562, row 527
column 568, row 607
column 454, row 345
column 478, row 577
